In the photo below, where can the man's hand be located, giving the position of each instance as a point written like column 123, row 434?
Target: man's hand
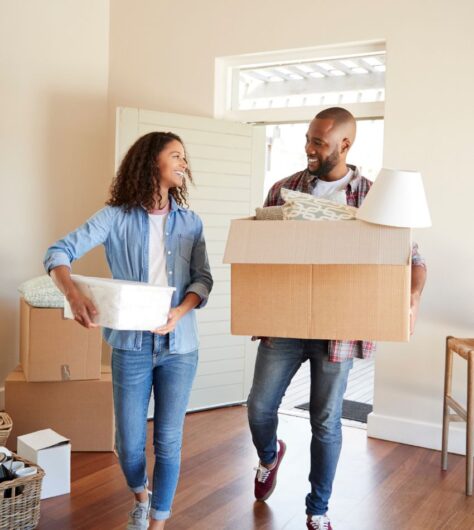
column 414, row 306
column 82, row 309
column 173, row 316
column 264, row 340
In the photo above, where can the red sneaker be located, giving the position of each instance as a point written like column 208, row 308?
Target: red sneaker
column 265, row 479
column 318, row 522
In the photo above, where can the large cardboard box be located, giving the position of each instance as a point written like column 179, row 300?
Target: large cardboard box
column 53, row 348
column 346, row 280
column 80, row 410
column 52, row 452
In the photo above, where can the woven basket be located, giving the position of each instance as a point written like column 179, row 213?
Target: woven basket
column 6, row 425
column 20, row 500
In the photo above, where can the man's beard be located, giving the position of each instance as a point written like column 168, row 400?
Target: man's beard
column 327, row 166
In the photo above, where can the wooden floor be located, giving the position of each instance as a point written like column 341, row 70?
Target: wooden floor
column 379, row 486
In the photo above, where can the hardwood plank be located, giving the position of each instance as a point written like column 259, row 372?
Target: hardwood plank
column 382, row 485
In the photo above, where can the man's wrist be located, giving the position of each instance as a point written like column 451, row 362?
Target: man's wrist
column 415, row 296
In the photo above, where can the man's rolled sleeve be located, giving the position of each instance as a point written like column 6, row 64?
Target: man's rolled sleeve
column 417, row 260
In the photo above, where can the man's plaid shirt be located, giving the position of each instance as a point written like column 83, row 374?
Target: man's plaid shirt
column 357, row 189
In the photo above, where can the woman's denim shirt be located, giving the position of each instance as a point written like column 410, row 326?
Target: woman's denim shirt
column 125, row 237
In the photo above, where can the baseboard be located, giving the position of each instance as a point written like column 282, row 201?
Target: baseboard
column 420, row 434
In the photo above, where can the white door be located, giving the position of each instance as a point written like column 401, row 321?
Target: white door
column 228, row 164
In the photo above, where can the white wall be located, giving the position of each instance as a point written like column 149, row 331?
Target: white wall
column 162, row 57
column 54, row 164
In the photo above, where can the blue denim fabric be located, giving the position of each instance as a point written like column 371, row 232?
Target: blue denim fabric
column 277, row 362
column 125, row 237
column 134, row 374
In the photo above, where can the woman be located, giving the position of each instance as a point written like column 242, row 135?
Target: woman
column 149, row 237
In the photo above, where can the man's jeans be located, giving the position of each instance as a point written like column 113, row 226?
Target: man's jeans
column 278, row 360
column 134, row 374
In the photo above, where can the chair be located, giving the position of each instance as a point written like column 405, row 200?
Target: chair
column 465, row 349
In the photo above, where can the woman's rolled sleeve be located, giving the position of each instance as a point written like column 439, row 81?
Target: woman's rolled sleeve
column 201, row 278
column 78, row 242
column 55, row 257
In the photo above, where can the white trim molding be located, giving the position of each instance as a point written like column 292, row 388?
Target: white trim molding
column 418, row 433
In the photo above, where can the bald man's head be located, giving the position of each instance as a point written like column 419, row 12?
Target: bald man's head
column 343, row 120
column 330, row 136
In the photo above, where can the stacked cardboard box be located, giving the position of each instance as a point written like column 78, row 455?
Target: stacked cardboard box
column 60, row 383
column 53, row 348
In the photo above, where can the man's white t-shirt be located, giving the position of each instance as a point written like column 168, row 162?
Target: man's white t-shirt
column 334, row 190
column 157, row 249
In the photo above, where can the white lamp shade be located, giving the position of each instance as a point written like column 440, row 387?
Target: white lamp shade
column 396, row 198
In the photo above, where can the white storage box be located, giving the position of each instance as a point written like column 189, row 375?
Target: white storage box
column 125, row 305
column 52, row 452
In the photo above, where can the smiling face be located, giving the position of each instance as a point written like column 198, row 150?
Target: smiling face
column 172, row 165
column 326, row 148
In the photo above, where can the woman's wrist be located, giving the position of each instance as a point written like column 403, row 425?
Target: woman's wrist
column 71, row 292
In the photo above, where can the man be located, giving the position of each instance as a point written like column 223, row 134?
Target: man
column 328, row 140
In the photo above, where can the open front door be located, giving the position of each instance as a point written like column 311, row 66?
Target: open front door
column 228, row 164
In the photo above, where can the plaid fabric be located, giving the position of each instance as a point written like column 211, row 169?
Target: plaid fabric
column 357, row 189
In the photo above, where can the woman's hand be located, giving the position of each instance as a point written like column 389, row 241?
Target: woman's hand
column 190, row 301
column 173, row 316
column 83, row 309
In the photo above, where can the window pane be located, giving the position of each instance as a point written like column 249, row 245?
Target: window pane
column 286, row 154
column 329, row 82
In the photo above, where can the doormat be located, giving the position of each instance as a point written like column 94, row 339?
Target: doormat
column 351, row 410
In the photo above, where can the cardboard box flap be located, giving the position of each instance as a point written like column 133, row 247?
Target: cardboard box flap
column 316, row 242
column 43, row 439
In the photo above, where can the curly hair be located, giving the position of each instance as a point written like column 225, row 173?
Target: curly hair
column 137, row 182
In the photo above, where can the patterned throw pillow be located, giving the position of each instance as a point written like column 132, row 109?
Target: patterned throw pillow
column 303, row 206
column 269, row 213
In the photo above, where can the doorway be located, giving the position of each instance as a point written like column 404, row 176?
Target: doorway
column 285, row 155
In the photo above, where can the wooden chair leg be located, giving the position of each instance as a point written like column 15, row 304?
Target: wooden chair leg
column 448, row 370
column 469, row 422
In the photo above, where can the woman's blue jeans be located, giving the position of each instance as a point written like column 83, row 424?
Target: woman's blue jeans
column 277, row 362
column 134, row 374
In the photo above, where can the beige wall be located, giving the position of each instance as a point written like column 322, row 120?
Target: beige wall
column 162, row 57
column 53, row 138
column 57, row 128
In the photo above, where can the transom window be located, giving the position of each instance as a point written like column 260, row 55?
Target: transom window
column 327, row 82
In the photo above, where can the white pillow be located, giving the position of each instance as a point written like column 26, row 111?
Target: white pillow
column 41, row 292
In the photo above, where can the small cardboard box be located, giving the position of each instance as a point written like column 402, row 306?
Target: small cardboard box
column 123, row 304
column 342, row 280
column 55, row 349
column 52, row 452
column 81, row 410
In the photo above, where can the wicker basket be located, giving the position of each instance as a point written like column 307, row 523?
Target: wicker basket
column 6, row 425
column 20, row 500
